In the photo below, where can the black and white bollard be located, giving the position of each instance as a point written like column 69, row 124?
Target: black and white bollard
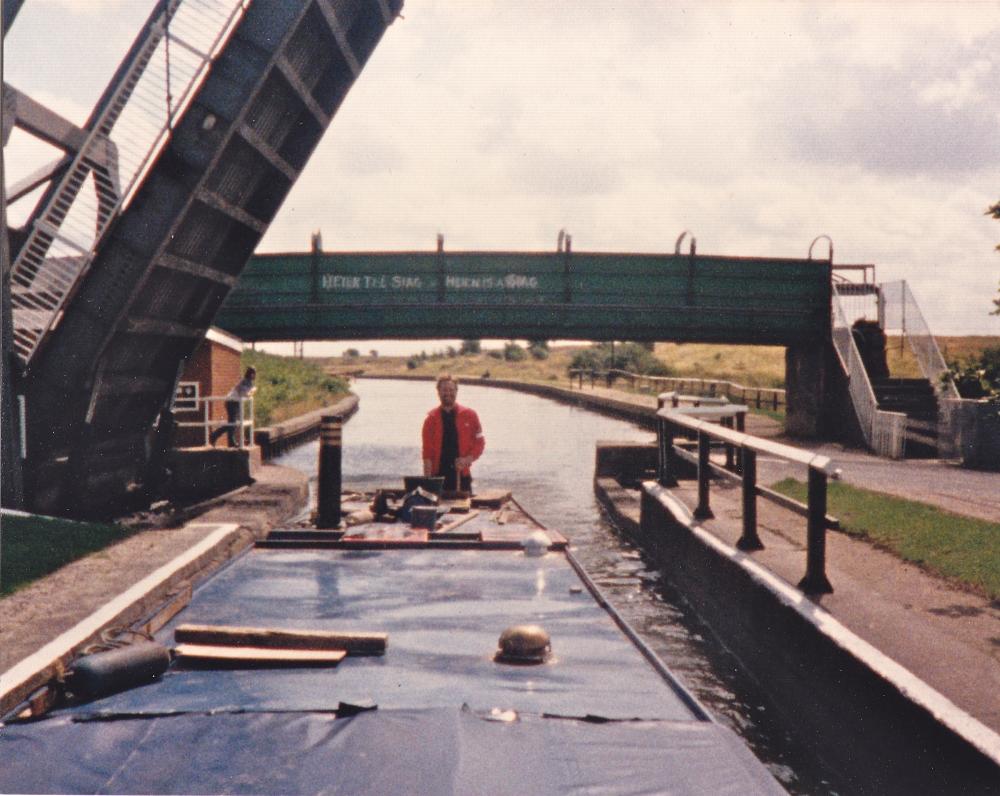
column 330, row 446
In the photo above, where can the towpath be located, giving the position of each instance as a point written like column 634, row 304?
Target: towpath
column 946, row 636
column 937, row 482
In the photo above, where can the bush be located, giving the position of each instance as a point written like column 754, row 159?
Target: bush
column 631, row 357
column 495, row 353
column 470, row 347
column 636, row 358
column 413, row 363
column 352, row 353
column 587, row 359
column 539, row 349
column 977, row 377
column 512, row 352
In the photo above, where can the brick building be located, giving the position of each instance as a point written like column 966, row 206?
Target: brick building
column 215, row 368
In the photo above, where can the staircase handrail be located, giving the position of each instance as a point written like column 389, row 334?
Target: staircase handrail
column 884, row 432
column 42, row 285
column 928, row 355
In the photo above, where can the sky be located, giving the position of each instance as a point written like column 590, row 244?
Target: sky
column 756, row 126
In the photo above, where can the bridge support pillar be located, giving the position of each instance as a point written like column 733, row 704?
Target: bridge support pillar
column 806, row 386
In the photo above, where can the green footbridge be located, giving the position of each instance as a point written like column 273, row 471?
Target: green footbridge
column 320, row 295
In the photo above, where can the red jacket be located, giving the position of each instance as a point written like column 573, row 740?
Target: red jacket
column 471, row 441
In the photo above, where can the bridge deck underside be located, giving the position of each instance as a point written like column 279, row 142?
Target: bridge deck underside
column 534, row 295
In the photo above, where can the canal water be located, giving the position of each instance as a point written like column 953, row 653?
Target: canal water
column 544, row 453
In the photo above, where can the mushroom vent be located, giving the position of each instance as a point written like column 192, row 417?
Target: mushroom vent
column 524, row 644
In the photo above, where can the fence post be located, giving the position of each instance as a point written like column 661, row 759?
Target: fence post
column 665, row 437
column 330, row 448
column 741, row 426
column 239, row 421
column 703, row 511
column 815, row 581
column 727, row 422
column 749, row 540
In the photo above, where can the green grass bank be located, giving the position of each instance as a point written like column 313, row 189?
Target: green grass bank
column 962, row 549
column 32, row 546
column 288, row 387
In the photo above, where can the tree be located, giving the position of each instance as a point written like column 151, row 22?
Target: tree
column 470, row 347
column 995, row 212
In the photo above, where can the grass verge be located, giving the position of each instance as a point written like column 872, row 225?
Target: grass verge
column 962, row 549
column 32, row 546
column 287, row 387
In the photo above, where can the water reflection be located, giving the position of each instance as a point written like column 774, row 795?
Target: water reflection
column 544, row 453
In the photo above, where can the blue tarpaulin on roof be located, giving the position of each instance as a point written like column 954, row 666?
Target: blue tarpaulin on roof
column 596, row 718
column 436, row 752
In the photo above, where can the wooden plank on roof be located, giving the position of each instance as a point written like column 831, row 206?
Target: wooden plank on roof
column 227, row 654
column 356, row 643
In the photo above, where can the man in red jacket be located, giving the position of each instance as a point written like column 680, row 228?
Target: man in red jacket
column 452, row 438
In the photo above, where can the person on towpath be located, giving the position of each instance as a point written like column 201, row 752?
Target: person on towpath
column 244, row 389
column 452, row 438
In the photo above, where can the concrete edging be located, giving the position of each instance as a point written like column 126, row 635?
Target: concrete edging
column 222, row 544
column 276, row 439
column 810, row 664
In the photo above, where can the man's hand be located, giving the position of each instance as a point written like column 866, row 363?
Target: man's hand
column 462, row 463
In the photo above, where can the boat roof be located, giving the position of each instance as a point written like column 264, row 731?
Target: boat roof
column 434, row 714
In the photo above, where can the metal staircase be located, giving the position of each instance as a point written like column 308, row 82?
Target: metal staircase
column 105, row 324
column 916, row 399
column 898, row 417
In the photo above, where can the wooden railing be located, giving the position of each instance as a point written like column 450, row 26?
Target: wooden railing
column 757, row 397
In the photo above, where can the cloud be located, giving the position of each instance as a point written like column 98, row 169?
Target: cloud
column 90, row 8
column 936, row 115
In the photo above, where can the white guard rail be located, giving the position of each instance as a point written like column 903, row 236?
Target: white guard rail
column 244, row 426
column 884, row 432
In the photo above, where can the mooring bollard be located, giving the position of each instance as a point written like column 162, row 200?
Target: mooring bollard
column 330, row 447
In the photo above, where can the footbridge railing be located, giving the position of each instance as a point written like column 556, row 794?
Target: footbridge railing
column 696, row 422
column 129, row 127
column 900, row 312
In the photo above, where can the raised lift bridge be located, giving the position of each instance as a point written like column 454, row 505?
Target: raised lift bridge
column 148, row 219
column 110, row 297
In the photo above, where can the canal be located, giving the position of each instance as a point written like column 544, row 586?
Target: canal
column 544, row 453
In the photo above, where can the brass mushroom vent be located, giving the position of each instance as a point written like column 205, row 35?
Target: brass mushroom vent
column 524, row 644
